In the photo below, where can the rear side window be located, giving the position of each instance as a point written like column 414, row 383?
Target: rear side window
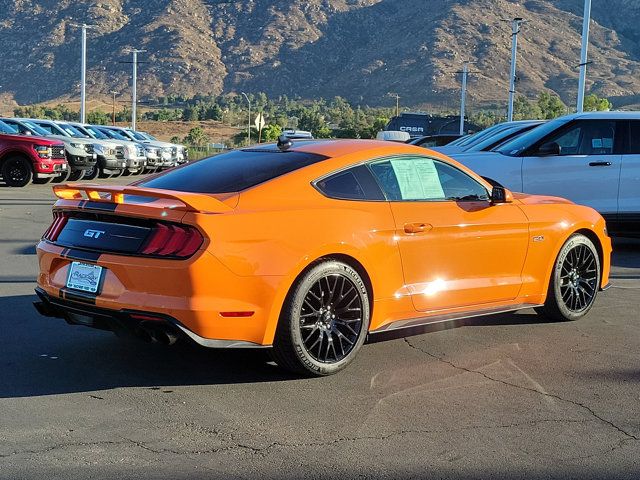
column 233, row 171
column 634, row 138
column 356, row 183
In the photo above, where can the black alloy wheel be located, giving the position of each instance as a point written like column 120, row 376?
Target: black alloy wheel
column 575, row 280
column 324, row 320
column 16, row 171
column 331, row 318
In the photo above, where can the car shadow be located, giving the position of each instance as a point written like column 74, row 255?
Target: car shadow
column 45, row 356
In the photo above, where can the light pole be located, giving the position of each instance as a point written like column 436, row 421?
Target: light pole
column 113, row 113
column 83, row 71
column 397, row 97
column 249, row 124
column 134, row 87
column 463, row 99
column 516, row 24
column 583, row 55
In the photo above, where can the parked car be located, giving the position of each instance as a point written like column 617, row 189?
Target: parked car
column 152, row 154
column 293, row 134
column 25, row 158
column 168, row 156
column 109, row 161
column 497, row 132
column 430, row 141
column 493, row 141
column 416, row 233
column 590, row 158
column 181, row 152
column 393, row 136
column 80, row 155
column 133, row 151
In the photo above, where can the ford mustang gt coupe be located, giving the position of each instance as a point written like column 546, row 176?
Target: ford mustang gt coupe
column 311, row 248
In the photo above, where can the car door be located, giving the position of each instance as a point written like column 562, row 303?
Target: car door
column 457, row 249
column 587, row 169
column 629, row 195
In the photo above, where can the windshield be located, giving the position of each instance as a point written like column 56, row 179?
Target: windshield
column 516, row 146
column 501, row 137
column 462, row 139
column 73, row 131
column 232, row 172
column 37, row 129
column 95, row 133
column 148, row 136
column 4, row 128
column 136, row 135
column 483, row 135
column 114, row 134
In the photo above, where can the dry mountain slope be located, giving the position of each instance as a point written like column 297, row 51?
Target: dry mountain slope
column 360, row 49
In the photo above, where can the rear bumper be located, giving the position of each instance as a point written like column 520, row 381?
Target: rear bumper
column 125, row 322
column 196, row 293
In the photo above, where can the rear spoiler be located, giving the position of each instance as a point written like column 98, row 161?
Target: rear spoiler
column 193, row 202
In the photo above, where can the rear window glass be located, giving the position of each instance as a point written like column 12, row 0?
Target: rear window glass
column 233, row 171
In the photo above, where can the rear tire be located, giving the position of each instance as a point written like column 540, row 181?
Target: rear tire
column 16, row 171
column 324, row 321
column 574, row 282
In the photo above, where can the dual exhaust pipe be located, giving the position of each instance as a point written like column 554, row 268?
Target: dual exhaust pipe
column 155, row 332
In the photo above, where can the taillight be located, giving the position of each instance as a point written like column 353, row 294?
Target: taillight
column 59, row 221
column 172, row 241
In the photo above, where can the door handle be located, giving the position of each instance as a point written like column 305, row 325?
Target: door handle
column 600, row 164
column 417, row 227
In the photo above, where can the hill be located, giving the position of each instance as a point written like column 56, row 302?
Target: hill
column 358, row 49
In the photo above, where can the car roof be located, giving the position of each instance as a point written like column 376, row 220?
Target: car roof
column 610, row 115
column 338, row 148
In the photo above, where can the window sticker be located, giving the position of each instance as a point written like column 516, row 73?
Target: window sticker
column 418, row 179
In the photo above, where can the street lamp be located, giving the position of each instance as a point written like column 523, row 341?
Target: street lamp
column 397, row 97
column 249, row 130
column 516, row 24
column 134, row 86
column 113, row 113
column 583, row 55
column 83, row 70
column 463, row 99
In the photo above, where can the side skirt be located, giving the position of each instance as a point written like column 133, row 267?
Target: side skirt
column 434, row 323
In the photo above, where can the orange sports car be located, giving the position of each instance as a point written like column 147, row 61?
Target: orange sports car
column 311, row 248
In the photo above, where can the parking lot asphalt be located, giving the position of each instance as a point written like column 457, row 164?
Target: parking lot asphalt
column 511, row 396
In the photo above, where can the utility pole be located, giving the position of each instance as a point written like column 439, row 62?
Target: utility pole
column 397, row 97
column 83, row 70
column 249, row 124
column 463, row 99
column 113, row 113
column 583, row 55
column 134, row 87
column 516, row 24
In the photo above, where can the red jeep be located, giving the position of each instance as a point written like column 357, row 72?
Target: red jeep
column 25, row 158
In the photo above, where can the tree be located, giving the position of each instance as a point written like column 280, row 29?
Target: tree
column 271, row 132
column 593, row 103
column 523, row 109
column 196, row 137
column 175, row 139
column 551, row 106
column 98, row 117
column 314, row 122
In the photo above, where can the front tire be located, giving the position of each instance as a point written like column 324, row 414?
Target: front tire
column 91, row 174
column 76, row 175
column 574, row 282
column 63, row 177
column 16, row 171
column 324, row 321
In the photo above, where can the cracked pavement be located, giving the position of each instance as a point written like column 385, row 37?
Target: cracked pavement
column 511, row 396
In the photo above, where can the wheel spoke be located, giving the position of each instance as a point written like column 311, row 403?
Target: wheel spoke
column 330, row 320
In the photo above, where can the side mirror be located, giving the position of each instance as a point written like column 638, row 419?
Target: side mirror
column 501, row 195
column 549, row 149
